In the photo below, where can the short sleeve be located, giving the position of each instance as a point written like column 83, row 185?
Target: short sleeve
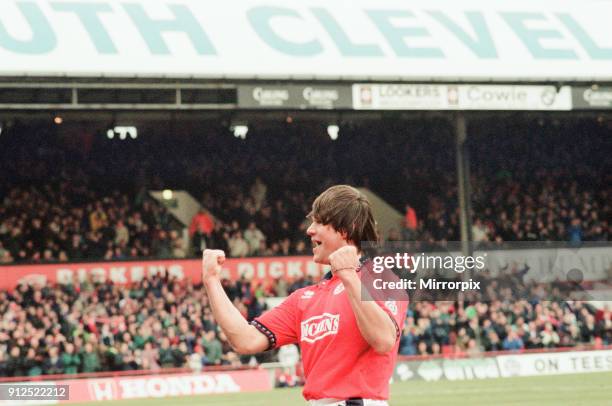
column 393, row 301
column 280, row 325
column 396, row 309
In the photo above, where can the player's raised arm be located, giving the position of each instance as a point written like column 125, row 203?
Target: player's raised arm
column 375, row 325
column 243, row 337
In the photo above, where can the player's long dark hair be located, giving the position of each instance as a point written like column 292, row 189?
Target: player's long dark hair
column 348, row 211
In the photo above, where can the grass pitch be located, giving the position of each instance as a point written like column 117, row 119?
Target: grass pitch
column 584, row 389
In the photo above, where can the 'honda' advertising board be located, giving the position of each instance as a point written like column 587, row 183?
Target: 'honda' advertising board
column 156, row 386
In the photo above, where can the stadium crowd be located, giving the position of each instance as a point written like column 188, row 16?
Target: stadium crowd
column 85, row 197
column 160, row 322
column 447, row 328
column 92, row 327
column 532, row 183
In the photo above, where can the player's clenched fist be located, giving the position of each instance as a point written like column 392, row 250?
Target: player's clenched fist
column 344, row 261
column 211, row 263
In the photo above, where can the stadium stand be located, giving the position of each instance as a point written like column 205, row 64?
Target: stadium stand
column 100, row 208
column 439, row 327
column 71, row 200
column 161, row 323
column 88, row 327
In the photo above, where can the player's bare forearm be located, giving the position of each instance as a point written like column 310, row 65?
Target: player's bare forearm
column 374, row 323
column 243, row 337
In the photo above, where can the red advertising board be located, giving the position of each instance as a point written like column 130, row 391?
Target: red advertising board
column 162, row 386
column 121, row 273
column 159, row 386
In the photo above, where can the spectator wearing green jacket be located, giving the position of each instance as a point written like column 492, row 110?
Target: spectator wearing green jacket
column 71, row 360
column 166, row 354
column 91, row 360
column 212, row 348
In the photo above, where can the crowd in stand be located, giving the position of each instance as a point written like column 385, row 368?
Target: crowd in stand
column 532, row 182
column 46, row 226
column 510, row 311
column 472, row 328
column 67, row 200
column 88, row 327
column 84, row 197
column 160, row 322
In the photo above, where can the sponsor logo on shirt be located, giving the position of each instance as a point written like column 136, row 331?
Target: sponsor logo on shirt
column 308, row 294
column 339, row 289
column 318, row 327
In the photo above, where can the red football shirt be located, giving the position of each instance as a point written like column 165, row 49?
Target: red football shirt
column 338, row 362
